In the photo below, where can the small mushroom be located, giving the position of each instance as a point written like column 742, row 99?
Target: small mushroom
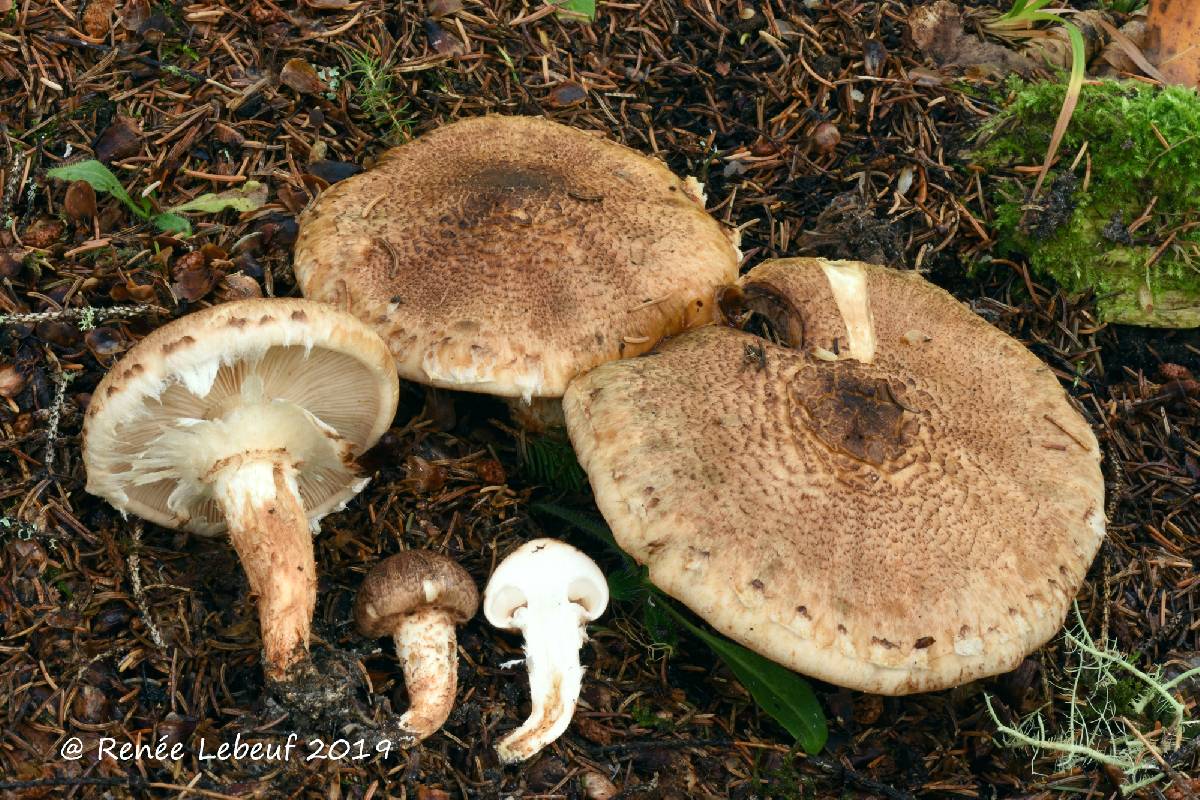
column 246, row 417
column 505, row 255
column 549, row 591
column 418, row 597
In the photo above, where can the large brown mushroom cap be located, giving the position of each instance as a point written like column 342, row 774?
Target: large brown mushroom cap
column 408, row 582
column 507, row 254
column 318, row 367
column 901, row 500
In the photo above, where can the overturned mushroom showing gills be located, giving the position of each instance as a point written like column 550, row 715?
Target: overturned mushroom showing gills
column 885, row 492
column 418, row 597
column 245, row 417
column 505, row 255
column 549, row 591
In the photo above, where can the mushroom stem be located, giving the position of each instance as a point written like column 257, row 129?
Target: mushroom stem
column 428, row 653
column 270, row 532
column 553, row 636
column 538, row 414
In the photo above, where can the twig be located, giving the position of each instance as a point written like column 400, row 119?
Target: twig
column 829, row 766
column 135, row 580
column 147, row 60
column 61, row 379
column 87, row 315
column 856, row 778
column 1167, row 769
column 131, row 782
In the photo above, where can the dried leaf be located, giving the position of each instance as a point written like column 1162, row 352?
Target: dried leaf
column 1124, row 52
column 135, row 14
column 12, row 381
column 441, row 41
column 874, row 57
column 11, row 262
column 105, row 341
column 121, row 139
column 333, row 171
column 42, row 233
column 194, row 276
column 298, row 74
column 80, row 202
column 238, row 286
column 937, row 30
column 444, row 8
column 566, row 94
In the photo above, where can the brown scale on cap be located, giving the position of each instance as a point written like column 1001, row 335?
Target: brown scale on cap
column 507, row 254
column 909, row 519
column 408, row 582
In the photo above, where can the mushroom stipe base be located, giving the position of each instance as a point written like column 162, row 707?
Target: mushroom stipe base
column 271, row 534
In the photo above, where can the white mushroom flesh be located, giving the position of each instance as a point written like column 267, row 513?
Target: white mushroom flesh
column 549, row 591
column 848, row 283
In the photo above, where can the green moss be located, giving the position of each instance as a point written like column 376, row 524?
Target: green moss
column 1078, row 235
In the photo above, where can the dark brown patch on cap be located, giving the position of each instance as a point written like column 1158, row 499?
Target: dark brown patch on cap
column 182, row 341
column 852, row 413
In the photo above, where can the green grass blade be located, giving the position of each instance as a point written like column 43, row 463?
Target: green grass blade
column 1071, row 99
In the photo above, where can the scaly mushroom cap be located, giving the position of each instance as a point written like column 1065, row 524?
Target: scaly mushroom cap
column 409, row 581
column 505, row 255
column 901, row 500
column 226, row 380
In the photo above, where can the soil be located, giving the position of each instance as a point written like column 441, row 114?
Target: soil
column 109, row 628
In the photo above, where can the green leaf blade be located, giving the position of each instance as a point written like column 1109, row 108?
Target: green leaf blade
column 172, row 223
column 248, row 197
column 584, row 10
column 99, row 177
column 784, row 695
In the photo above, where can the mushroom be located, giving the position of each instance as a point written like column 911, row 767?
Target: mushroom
column 882, row 491
column 549, row 591
column 418, row 597
column 505, row 255
column 245, row 417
